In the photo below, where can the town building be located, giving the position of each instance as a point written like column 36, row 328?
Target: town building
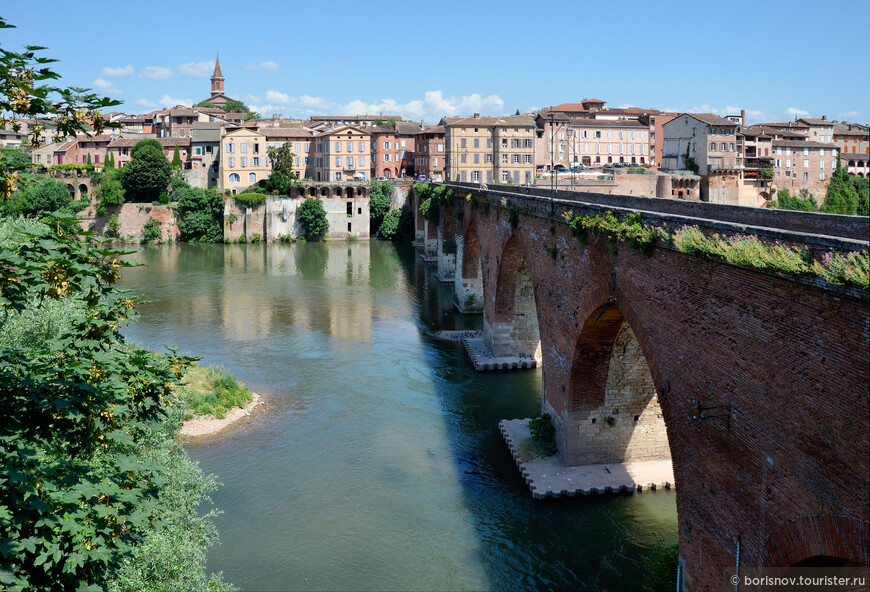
column 853, row 141
column 120, row 149
column 490, row 149
column 431, row 154
column 393, row 148
column 705, row 139
column 322, row 122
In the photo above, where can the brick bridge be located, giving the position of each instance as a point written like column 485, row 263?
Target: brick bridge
column 779, row 467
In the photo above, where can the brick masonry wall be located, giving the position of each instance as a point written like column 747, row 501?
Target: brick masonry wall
column 790, row 358
column 133, row 217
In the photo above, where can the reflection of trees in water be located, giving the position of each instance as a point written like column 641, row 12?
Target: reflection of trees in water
column 311, row 260
column 195, row 257
column 390, row 265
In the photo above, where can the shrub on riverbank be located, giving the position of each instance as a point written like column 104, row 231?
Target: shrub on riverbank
column 212, row 390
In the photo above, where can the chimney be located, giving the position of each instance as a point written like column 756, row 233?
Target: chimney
column 824, row 117
column 477, row 115
column 743, row 117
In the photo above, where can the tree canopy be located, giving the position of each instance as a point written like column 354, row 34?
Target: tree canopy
column 147, row 176
column 282, row 178
column 841, row 198
column 312, row 216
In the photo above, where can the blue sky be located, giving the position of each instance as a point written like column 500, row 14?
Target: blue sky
column 423, row 60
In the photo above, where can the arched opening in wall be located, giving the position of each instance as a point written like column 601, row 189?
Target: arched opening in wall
column 387, row 173
column 71, row 189
column 349, row 191
column 826, row 561
column 359, row 191
column 471, row 253
column 83, row 191
column 515, row 323
column 312, row 192
column 612, row 396
column 324, row 192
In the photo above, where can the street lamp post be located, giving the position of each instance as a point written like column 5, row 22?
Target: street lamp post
column 552, row 148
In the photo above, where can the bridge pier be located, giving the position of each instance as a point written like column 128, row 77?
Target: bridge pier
column 419, row 222
column 468, row 281
column 446, row 247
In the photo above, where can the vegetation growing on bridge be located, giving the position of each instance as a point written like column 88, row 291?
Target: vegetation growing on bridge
column 432, row 200
column 837, row 268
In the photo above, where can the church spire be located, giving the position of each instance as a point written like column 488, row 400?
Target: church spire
column 217, row 79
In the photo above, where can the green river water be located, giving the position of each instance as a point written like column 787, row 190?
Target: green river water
column 379, row 465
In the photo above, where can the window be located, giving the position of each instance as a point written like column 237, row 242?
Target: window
column 527, row 158
column 806, row 176
column 487, row 158
column 787, row 163
column 256, row 161
column 235, row 178
column 806, row 151
column 787, row 150
column 252, row 177
column 778, row 163
column 476, row 157
column 461, row 143
column 362, row 161
column 475, row 176
column 527, row 143
column 778, row 150
column 821, row 151
column 244, row 147
column 387, row 157
column 806, row 163
column 338, row 161
column 609, row 133
column 403, row 143
column 350, row 146
column 515, row 158
column 621, row 135
column 338, row 146
column 731, row 147
column 337, row 176
column 440, row 147
column 489, row 142
column 361, row 147
column 476, row 142
column 505, row 177
column 435, row 161
column 821, row 175
column 232, row 162
column 231, row 148
column 244, row 161
column 504, row 158
column 198, row 151
column 712, row 146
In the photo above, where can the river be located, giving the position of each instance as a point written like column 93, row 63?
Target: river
column 380, row 465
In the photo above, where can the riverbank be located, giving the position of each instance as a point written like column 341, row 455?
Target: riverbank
column 203, row 427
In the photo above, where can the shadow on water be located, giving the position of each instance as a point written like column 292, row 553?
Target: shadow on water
column 584, row 543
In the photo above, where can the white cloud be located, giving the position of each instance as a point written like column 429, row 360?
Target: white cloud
column 431, row 107
column 106, row 86
column 263, row 66
column 163, row 102
column 794, row 112
column 849, row 115
column 119, row 71
column 156, row 72
column 625, row 106
column 199, row 69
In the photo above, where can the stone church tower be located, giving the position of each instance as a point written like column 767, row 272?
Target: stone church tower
column 217, row 85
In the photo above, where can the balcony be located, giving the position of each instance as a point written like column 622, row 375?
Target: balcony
column 350, row 167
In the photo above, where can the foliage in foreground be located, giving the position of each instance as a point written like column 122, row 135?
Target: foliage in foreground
column 805, row 202
column 212, row 390
column 398, row 225
column 379, row 204
column 79, row 493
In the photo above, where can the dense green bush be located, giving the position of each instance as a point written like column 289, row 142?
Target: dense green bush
column 379, row 204
column 806, row 202
column 862, row 188
column 108, row 190
column 212, row 390
column 200, row 215
column 151, row 232
column 312, row 216
column 250, row 199
column 45, row 196
column 841, row 197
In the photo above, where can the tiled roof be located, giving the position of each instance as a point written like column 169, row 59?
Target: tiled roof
column 854, row 129
column 433, row 129
column 354, row 117
column 406, row 128
column 165, row 142
column 802, row 144
column 594, row 101
column 507, row 121
column 786, row 124
column 217, row 68
column 628, row 111
column 604, row 123
column 280, row 132
column 570, row 107
column 811, row 121
column 183, row 112
column 711, row 119
column 554, row 116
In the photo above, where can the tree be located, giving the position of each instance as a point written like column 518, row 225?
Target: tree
column 312, row 216
column 200, row 214
column 46, row 196
column 379, row 203
column 282, row 178
column 786, row 201
column 90, row 162
column 232, row 107
column 24, row 94
column 841, row 197
column 176, row 158
column 147, row 175
column 110, row 161
column 518, row 112
column 108, row 190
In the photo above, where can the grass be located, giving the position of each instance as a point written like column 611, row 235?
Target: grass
column 530, row 449
column 212, row 390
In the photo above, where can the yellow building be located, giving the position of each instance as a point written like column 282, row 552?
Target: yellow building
column 490, row 149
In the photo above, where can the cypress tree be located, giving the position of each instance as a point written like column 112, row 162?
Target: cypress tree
column 110, row 161
column 89, row 159
column 176, row 158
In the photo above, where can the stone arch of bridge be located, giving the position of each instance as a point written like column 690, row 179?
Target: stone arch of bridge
column 513, row 329
column 470, row 251
column 820, row 540
column 613, row 412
